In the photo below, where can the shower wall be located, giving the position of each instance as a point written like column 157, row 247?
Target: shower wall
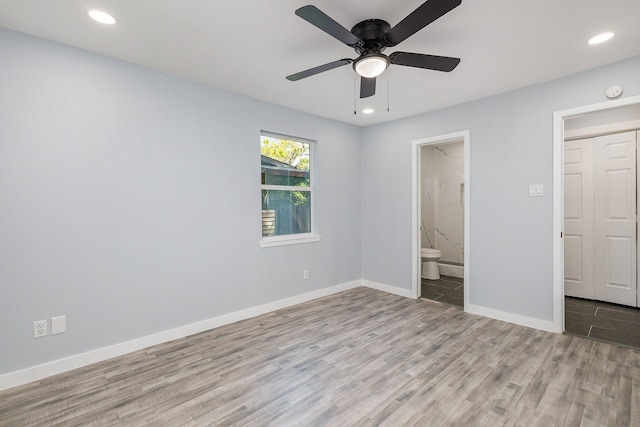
column 442, row 169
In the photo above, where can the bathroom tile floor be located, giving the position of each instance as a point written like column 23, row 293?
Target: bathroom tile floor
column 602, row 321
column 449, row 290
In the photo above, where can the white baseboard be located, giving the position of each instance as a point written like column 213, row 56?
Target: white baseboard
column 35, row 373
column 451, row 270
column 407, row 293
column 530, row 322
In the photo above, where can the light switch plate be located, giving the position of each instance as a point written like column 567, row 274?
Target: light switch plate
column 536, row 190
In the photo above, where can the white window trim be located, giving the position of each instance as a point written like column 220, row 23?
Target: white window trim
column 289, row 239
column 286, row 188
column 298, row 238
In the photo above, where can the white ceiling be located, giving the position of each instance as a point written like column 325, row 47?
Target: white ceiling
column 249, row 46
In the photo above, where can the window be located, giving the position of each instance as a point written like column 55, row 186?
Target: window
column 287, row 190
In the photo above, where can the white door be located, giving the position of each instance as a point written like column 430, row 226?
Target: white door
column 600, row 209
column 578, row 218
column 615, row 218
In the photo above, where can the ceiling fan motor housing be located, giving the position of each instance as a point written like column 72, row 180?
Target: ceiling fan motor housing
column 371, row 32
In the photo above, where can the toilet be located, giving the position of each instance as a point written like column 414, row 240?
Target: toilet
column 430, row 259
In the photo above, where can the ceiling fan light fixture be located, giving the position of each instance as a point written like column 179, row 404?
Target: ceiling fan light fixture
column 370, row 66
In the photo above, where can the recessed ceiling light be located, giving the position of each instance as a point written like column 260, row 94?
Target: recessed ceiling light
column 368, row 111
column 102, row 17
column 600, row 38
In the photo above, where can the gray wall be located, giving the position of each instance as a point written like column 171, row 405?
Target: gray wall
column 511, row 147
column 130, row 202
column 618, row 115
column 130, row 199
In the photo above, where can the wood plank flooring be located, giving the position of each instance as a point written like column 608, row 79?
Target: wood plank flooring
column 358, row 358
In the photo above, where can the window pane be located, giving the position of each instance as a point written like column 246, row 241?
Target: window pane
column 284, row 162
column 285, row 212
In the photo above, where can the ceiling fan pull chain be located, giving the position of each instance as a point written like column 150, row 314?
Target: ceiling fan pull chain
column 355, row 79
column 388, row 96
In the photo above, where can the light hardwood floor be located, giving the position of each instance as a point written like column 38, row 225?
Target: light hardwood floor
column 358, row 358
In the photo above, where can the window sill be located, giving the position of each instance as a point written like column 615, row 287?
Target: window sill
column 289, row 239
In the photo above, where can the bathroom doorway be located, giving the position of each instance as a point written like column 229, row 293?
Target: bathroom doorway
column 441, row 195
column 595, row 152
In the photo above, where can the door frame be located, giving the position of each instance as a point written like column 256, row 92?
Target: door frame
column 416, row 202
column 558, row 197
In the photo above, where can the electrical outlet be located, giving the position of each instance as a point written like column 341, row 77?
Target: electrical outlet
column 40, row 328
column 305, row 274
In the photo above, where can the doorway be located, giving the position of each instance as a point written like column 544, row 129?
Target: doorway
column 561, row 240
column 462, row 193
column 600, row 211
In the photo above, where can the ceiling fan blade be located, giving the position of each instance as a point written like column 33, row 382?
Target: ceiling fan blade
column 424, row 15
column 419, row 60
column 367, row 87
column 319, row 69
column 316, row 17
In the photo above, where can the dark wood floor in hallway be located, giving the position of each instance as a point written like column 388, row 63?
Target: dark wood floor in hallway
column 592, row 319
column 357, row 358
column 602, row 321
column 447, row 289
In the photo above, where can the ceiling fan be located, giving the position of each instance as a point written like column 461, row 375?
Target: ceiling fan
column 372, row 36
